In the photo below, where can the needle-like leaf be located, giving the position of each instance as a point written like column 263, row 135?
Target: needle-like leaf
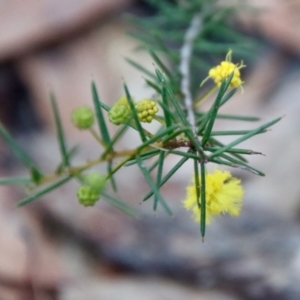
column 20, row 154
column 99, row 115
column 152, row 185
column 41, row 192
column 59, row 132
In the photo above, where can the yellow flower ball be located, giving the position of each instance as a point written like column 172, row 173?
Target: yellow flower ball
column 146, row 110
column 224, row 194
column 222, row 71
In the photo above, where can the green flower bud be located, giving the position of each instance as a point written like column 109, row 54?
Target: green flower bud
column 120, row 112
column 95, row 181
column 83, row 117
column 146, row 110
column 87, row 196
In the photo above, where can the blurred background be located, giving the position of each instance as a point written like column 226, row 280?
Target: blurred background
column 56, row 249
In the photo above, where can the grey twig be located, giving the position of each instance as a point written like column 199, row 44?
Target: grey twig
column 184, row 67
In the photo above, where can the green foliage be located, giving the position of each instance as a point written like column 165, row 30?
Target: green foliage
column 185, row 129
column 166, row 32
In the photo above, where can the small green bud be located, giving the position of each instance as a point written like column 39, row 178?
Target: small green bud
column 146, row 110
column 87, row 196
column 95, row 181
column 120, row 112
column 83, row 117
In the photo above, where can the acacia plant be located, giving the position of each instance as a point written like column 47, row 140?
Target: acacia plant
column 191, row 44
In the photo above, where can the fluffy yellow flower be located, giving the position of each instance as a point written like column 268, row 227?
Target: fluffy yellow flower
column 224, row 194
column 223, row 71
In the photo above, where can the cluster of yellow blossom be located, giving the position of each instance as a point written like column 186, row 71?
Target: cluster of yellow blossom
column 224, row 194
column 120, row 112
column 146, row 110
column 223, row 71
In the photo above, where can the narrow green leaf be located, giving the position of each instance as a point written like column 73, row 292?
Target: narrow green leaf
column 202, row 115
column 177, row 106
column 168, row 118
column 139, row 149
column 203, row 201
column 144, row 156
column 170, row 113
column 35, row 175
column 168, row 176
column 157, row 137
column 153, row 85
column 220, row 161
column 234, row 150
column 158, row 176
column 105, row 106
column 155, row 164
column 115, row 138
column 140, row 68
column 161, row 65
column 227, row 96
column 175, row 133
column 197, row 183
column 202, row 123
column 135, row 116
column 212, row 47
column 111, row 177
column 43, row 191
column 100, row 118
column 121, row 205
column 213, row 142
column 242, row 165
column 196, row 143
column 15, row 181
column 152, row 185
column 232, row 132
column 214, row 110
column 238, row 118
column 17, row 150
column 244, row 137
column 70, row 154
column 59, row 132
column 211, row 115
column 172, row 98
column 185, row 154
